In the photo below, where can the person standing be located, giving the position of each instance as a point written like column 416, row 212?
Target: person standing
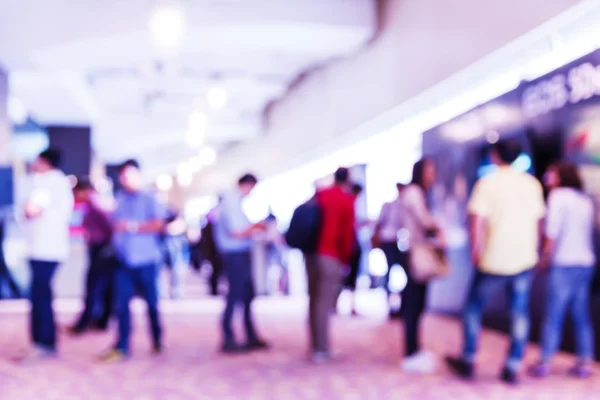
column 569, row 254
column 99, row 281
column 177, row 252
column 233, row 236
column 47, row 208
column 421, row 227
column 386, row 236
column 334, row 252
column 209, row 250
column 138, row 221
column 506, row 208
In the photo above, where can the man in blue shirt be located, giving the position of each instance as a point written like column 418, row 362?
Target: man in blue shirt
column 233, row 236
column 138, row 221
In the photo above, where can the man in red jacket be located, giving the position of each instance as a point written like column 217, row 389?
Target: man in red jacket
column 334, row 250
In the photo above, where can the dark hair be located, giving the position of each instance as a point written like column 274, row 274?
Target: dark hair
column 52, row 157
column 248, row 179
column 508, row 150
column 356, row 189
column 83, row 183
column 341, row 175
column 568, row 175
column 129, row 163
column 419, row 172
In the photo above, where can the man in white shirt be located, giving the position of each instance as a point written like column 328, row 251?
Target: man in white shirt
column 47, row 208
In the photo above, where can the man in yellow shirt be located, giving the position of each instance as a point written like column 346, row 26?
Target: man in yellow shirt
column 506, row 210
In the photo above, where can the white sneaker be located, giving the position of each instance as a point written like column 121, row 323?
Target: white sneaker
column 421, row 363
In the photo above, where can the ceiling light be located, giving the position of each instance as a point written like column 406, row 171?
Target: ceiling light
column 167, row 25
column 195, row 164
column 217, row 97
column 195, row 138
column 208, row 155
column 164, row 182
column 198, row 121
column 16, row 111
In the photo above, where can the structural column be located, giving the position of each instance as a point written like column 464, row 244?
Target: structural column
column 6, row 174
column 75, row 144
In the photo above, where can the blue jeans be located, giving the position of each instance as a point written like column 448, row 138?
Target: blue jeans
column 130, row 281
column 43, row 327
column 238, row 268
column 485, row 286
column 568, row 286
column 179, row 260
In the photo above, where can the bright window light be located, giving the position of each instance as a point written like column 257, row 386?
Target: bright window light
column 164, row 182
column 217, row 97
column 167, row 25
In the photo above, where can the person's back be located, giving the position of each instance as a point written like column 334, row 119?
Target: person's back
column 334, row 252
column 336, row 238
column 571, row 223
column 512, row 203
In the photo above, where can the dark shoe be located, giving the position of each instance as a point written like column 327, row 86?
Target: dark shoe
column 539, row 370
column 232, row 348
column 581, row 371
column 75, row 330
column 257, row 344
column 509, row 376
column 395, row 315
column 100, row 326
column 460, row 367
column 157, row 349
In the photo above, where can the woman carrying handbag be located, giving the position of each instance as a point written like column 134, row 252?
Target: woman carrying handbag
column 425, row 261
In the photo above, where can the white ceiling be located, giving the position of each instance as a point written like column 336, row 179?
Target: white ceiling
column 94, row 62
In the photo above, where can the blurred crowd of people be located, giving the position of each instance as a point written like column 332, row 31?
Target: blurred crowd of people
column 514, row 227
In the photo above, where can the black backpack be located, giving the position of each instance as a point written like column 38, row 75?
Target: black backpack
column 305, row 227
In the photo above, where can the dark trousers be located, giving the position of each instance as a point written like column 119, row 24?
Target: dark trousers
column 129, row 281
column 99, row 289
column 393, row 256
column 414, row 300
column 43, row 328
column 238, row 269
column 324, row 283
column 217, row 270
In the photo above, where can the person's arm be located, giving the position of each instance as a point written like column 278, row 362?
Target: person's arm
column 102, row 216
column 154, row 224
column 347, row 230
column 235, row 222
column 28, row 205
column 478, row 209
column 551, row 230
column 477, row 235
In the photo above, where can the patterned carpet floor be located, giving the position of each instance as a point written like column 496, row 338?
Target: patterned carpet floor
column 191, row 368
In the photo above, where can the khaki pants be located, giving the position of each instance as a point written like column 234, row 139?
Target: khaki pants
column 324, row 281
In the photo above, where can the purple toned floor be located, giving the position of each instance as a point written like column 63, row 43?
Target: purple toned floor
column 192, row 369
